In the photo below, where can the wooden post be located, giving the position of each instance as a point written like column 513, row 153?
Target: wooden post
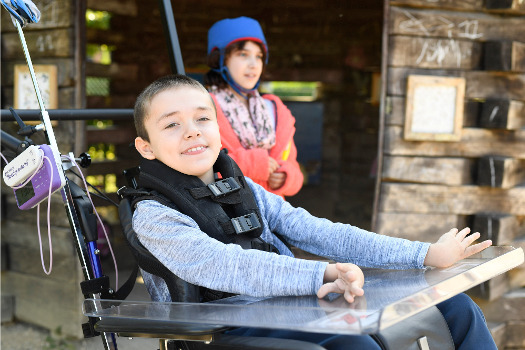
column 506, row 56
column 502, row 114
column 500, row 172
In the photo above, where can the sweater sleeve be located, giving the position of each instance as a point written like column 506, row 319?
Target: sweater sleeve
column 337, row 241
column 178, row 243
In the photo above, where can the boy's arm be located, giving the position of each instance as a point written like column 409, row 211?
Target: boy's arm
column 178, row 243
column 336, row 241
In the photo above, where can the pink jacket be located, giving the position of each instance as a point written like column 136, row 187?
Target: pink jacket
column 254, row 162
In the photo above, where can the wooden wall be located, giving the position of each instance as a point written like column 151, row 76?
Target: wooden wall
column 48, row 301
column 428, row 187
column 338, row 44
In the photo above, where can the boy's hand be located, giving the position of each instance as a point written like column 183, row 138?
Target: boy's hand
column 454, row 246
column 346, row 279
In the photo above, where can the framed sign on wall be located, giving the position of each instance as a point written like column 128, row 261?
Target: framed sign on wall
column 434, row 108
column 24, row 92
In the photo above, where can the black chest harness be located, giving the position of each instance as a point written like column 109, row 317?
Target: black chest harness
column 225, row 210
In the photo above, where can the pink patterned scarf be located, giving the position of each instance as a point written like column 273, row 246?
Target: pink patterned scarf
column 252, row 125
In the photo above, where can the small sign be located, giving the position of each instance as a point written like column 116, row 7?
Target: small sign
column 434, row 108
column 25, row 95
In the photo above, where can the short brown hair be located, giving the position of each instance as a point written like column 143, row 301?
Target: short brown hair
column 142, row 104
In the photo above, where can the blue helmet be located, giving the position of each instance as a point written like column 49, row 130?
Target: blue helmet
column 228, row 31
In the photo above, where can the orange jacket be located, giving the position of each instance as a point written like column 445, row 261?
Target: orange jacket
column 254, row 162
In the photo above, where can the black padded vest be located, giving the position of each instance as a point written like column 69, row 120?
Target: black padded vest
column 225, row 210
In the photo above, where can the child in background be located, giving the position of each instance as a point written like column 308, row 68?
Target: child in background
column 187, row 229
column 256, row 130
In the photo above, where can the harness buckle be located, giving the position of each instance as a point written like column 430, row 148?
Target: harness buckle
column 245, row 223
column 223, row 187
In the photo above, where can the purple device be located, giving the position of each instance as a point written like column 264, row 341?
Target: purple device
column 36, row 190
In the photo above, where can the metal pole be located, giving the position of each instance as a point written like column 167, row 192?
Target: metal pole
column 90, row 270
column 70, row 114
column 168, row 22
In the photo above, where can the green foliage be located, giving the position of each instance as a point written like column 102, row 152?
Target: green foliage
column 98, row 19
column 55, row 341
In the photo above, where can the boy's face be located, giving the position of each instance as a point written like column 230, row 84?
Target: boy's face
column 183, row 132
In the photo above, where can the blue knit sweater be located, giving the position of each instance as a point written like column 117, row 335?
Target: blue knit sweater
column 177, row 242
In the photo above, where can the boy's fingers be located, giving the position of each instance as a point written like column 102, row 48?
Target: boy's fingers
column 453, row 231
column 356, row 290
column 349, row 296
column 349, row 276
column 476, row 248
column 327, row 288
column 343, row 267
column 463, row 233
column 470, row 239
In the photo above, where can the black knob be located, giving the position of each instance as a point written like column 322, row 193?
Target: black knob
column 85, row 160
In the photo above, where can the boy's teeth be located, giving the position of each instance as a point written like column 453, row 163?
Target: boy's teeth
column 195, row 149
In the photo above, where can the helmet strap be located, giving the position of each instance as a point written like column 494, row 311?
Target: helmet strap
column 225, row 73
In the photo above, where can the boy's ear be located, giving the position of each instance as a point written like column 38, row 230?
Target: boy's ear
column 144, row 148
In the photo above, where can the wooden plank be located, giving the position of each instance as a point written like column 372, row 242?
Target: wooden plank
column 423, row 52
column 508, row 56
column 119, row 7
column 460, row 200
column 61, row 306
column 418, row 227
column 27, row 261
column 395, row 112
column 500, row 172
column 446, row 171
column 492, row 289
column 453, row 24
column 24, row 234
column 497, row 330
column 515, row 336
column 502, row 114
column 475, row 143
column 505, row 6
column 8, row 308
column 115, row 136
column 114, row 71
column 507, row 308
column 41, row 44
column 53, row 14
column 95, row 36
column 65, row 76
column 500, row 228
column 110, row 167
column 480, row 84
column 441, row 4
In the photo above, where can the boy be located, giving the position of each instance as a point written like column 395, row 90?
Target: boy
column 179, row 140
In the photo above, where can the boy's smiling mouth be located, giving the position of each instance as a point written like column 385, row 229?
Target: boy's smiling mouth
column 194, row 150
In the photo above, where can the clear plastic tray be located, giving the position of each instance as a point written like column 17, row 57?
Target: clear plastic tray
column 390, row 297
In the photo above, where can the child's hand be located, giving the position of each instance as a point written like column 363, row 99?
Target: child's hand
column 454, row 246
column 276, row 180
column 272, row 165
column 346, row 279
